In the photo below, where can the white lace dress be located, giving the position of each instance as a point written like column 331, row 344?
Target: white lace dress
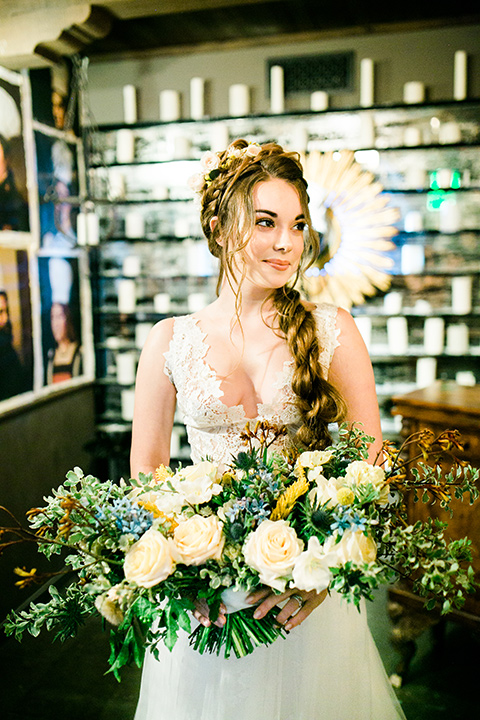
column 326, row 669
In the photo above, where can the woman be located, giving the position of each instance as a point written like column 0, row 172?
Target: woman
column 13, row 208
column 65, row 360
column 259, row 351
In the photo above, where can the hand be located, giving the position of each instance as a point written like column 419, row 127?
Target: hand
column 293, row 613
column 202, row 614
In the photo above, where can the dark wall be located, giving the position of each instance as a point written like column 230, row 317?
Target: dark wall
column 38, row 445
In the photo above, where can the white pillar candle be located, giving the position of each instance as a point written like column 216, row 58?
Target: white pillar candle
column 413, row 92
column 161, row 303
column 412, row 259
column 129, row 104
column 125, row 146
column 182, row 147
column 392, row 303
column 126, row 363
column 433, row 335
column 116, row 184
column 450, row 216
column 412, row 136
column 397, row 333
column 197, row 98
column 277, row 92
column 460, row 75
column 239, row 100
column 466, row 378
column 318, row 101
column 426, row 371
column 82, row 228
column 416, row 177
column 131, row 266
column 169, row 105
column 127, row 404
column 449, row 133
column 196, row 301
column 93, row 228
column 127, row 296
column 366, row 82
column 457, row 339
column 462, row 295
column 364, row 325
column 219, row 137
column 142, row 331
column 367, row 130
column 175, row 443
column 134, row 224
column 182, row 227
column 300, row 138
column 413, row 222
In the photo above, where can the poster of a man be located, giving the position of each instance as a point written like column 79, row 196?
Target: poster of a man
column 16, row 351
column 13, row 184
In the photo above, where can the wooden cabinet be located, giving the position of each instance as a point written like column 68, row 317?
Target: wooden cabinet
column 441, row 406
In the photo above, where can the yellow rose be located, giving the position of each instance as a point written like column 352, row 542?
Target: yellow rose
column 197, row 540
column 271, row 550
column 149, row 560
column 354, row 546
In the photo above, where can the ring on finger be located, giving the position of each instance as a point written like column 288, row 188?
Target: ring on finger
column 299, row 599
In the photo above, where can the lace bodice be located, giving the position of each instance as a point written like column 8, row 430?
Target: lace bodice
column 214, row 428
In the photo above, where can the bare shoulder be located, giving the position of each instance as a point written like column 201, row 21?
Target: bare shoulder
column 160, row 335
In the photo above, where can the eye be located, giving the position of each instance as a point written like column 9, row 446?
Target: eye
column 300, row 225
column 265, row 222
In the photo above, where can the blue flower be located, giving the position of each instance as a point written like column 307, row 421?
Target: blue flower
column 129, row 518
column 346, row 520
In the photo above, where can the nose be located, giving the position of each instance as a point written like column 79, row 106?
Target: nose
column 283, row 240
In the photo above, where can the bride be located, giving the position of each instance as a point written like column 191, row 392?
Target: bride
column 260, row 351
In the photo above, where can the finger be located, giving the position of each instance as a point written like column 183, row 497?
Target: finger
column 290, row 610
column 268, row 603
column 311, row 603
column 258, row 595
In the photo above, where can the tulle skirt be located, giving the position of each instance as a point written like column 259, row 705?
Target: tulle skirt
column 326, row 669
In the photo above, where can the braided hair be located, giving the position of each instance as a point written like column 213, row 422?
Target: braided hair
column 227, row 195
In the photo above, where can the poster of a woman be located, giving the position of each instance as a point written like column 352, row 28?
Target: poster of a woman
column 14, row 213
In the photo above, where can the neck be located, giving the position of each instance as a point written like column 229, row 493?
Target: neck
column 255, row 301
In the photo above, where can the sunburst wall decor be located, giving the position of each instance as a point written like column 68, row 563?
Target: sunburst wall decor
column 349, row 211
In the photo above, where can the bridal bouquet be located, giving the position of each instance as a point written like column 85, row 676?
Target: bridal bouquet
column 144, row 550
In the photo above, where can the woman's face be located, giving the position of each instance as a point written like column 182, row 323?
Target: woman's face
column 59, row 322
column 273, row 254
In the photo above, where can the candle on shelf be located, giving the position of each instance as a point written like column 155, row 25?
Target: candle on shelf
column 397, row 333
column 433, row 335
column 131, row 266
column 116, row 184
column 413, row 92
column 318, row 101
column 127, row 404
column 196, row 301
column 412, row 259
column 392, row 303
column 127, row 296
column 416, row 178
column 367, row 130
column 412, row 136
column 299, row 138
column 93, row 228
column 161, row 303
column 449, row 133
column 182, row 147
column 460, row 75
column 277, row 94
column 125, row 146
column 466, row 378
column 457, row 339
column 413, row 222
column 142, row 331
column 426, row 371
column 239, row 100
column 364, row 325
column 129, row 104
column 450, row 216
column 366, row 82
column 197, row 98
column 126, row 363
column 219, row 137
column 134, row 224
column 462, row 294
column 82, row 228
column 174, row 443
column 169, row 105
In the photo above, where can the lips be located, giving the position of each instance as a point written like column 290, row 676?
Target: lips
column 278, row 264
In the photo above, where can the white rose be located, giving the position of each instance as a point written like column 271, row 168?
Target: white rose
column 196, row 182
column 197, row 483
column 169, row 503
column 353, row 546
column 272, row 550
column 197, row 540
column 361, row 472
column 149, row 560
column 311, row 571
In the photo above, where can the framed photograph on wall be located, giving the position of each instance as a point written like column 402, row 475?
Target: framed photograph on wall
column 58, row 177
column 14, row 200
column 16, row 347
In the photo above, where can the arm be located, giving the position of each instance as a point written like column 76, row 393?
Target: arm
column 351, row 373
column 155, row 399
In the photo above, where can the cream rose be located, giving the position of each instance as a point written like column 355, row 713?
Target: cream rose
column 272, row 550
column 314, row 458
column 354, row 546
column 325, row 491
column 311, row 571
column 149, row 560
column 169, row 503
column 107, row 606
column 197, row 483
column 197, row 540
column 361, row 472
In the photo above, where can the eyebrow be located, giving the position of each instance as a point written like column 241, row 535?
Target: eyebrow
column 274, row 214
